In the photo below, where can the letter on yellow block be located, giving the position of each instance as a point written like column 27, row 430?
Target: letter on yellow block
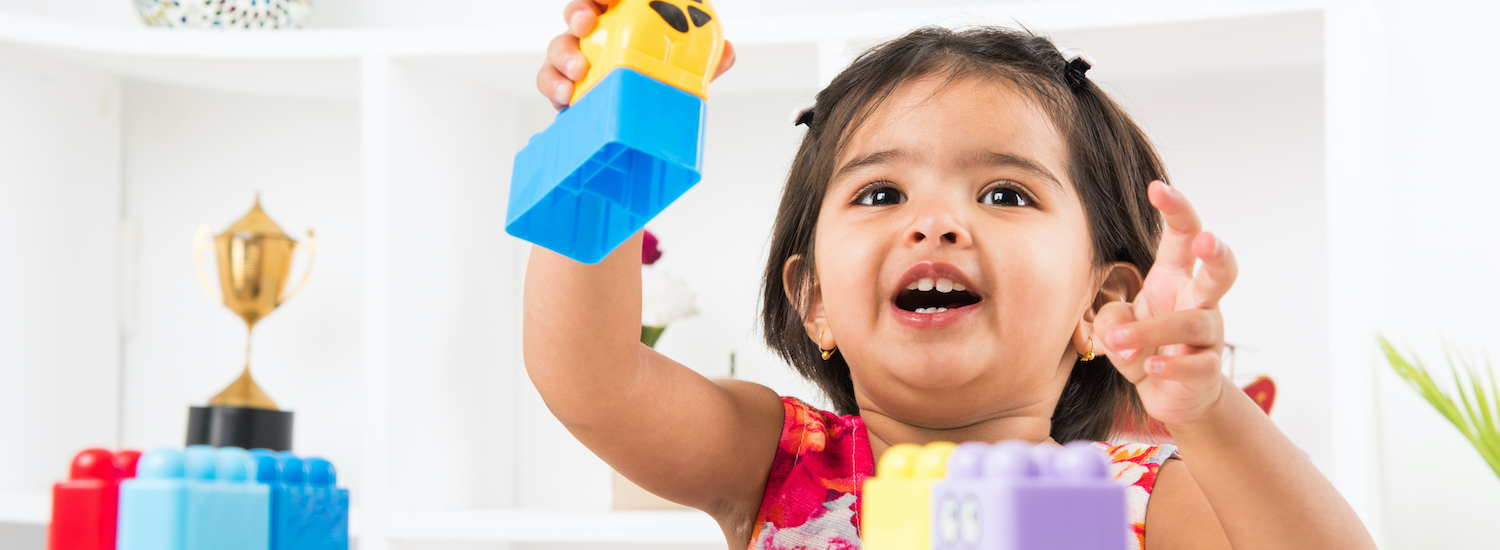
column 678, row 42
column 896, row 504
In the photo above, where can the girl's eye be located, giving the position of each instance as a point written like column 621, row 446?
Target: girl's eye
column 882, row 196
column 1004, row 196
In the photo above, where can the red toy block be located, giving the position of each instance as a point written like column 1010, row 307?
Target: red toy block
column 84, row 507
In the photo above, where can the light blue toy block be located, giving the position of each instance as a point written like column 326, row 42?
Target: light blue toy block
column 1016, row 496
column 606, row 165
column 309, row 510
column 153, row 503
column 226, row 508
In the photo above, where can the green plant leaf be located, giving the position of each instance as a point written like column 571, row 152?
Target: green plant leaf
column 1479, row 418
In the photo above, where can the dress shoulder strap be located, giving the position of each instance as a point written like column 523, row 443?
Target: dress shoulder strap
column 1136, row 464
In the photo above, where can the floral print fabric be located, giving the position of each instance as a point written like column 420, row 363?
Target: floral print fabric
column 812, row 498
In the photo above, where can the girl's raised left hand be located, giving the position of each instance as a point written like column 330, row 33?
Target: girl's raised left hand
column 1170, row 340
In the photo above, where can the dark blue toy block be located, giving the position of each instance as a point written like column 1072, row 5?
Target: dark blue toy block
column 1015, row 496
column 606, row 165
column 309, row 511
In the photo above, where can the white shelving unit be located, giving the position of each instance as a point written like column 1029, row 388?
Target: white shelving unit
column 402, row 357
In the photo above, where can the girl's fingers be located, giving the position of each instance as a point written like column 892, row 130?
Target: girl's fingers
column 565, row 64
column 1196, row 368
column 1176, row 248
column 1218, row 272
column 582, row 15
column 725, row 61
column 1196, row 328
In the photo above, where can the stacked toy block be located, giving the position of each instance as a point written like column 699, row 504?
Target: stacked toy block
column 203, row 498
column 84, row 507
column 308, row 510
column 631, row 142
column 1006, row 496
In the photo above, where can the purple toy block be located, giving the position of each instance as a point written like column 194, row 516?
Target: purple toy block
column 1016, row 496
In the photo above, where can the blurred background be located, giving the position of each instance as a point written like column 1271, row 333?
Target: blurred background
column 1343, row 147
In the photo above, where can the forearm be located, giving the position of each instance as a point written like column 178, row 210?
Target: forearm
column 1263, row 489
column 581, row 330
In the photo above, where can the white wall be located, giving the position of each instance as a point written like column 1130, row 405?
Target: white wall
column 59, row 257
column 1440, row 262
column 1247, row 148
column 455, row 296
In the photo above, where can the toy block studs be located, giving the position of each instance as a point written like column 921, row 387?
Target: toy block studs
column 1016, row 496
column 203, row 498
column 896, row 502
column 84, row 508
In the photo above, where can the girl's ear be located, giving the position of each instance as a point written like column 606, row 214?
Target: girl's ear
column 802, row 288
column 1122, row 281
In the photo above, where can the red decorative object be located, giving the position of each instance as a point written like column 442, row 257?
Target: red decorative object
column 649, row 252
column 84, row 507
column 1263, row 391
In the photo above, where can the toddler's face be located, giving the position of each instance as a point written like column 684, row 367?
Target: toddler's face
column 953, row 255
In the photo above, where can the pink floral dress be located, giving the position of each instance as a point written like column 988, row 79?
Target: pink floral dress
column 813, row 494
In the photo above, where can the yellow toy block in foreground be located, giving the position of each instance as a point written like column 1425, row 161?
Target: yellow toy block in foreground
column 896, row 504
column 678, row 42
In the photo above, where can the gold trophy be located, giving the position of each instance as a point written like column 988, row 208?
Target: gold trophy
column 255, row 259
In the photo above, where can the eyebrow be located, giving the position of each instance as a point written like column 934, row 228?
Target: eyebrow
column 882, row 158
column 985, row 158
column 1003, row 160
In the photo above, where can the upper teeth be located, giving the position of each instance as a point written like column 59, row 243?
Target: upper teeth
column 943, row 285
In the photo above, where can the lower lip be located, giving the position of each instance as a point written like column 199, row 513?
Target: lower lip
column 932, row 320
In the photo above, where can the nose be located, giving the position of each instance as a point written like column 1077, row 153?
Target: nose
column 938, row 225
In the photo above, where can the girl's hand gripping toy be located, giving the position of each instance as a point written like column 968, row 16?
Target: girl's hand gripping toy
column 632, row 140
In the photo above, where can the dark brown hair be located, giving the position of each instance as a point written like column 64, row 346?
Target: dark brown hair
column 1111, row 163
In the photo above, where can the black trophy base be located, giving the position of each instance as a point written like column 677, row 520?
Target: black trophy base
column 241, row 427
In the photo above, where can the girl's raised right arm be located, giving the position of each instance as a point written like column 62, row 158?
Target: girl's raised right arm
column 706, row 444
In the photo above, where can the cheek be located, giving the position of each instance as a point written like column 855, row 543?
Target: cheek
column 848, row 273
column 1041, row 276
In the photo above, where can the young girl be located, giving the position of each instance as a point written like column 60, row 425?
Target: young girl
column 969, row 248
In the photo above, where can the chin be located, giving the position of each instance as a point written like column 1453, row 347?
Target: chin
column 946, row 370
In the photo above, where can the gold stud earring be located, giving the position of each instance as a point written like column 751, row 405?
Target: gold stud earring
column 825, row 352
column 1090, row 355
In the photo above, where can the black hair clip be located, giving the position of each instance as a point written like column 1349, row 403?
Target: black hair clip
column 804, row 116
column 1079, row 63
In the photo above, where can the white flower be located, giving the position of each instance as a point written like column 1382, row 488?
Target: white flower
column 664, row 299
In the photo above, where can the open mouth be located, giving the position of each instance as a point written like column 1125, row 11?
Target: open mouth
column 934, row 295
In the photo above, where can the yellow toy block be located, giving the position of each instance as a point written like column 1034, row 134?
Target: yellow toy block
column 678, row 42
column 896, row 508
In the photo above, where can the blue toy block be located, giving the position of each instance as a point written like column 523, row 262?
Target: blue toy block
column 152, row 505
column 606, row 166
column 1015, row 496
column 198, row 499
column 308, row 510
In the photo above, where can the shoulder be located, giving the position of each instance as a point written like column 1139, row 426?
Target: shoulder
column 1179, row 514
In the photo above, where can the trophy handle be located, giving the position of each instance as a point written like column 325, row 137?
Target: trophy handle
column 312, row 255
column 201, row 243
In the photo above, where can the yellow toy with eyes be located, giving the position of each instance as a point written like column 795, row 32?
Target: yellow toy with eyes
column 678, row 42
